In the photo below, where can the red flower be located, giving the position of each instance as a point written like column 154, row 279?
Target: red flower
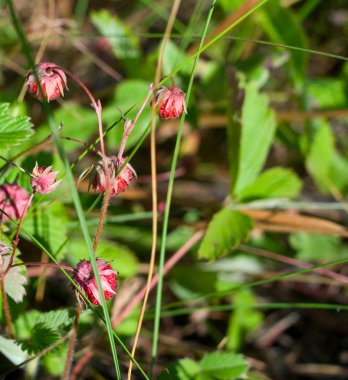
column 52, row 82
column 43, row 180
column 170, row 102
column 118, row 183
column 84, row 278
column 13, row 201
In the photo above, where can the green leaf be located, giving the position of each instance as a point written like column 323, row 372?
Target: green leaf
column 318, row 248
column 54, row 319
column 41, row 338
column 25, row 323
column 319, row 158
column 12, row 350
column 173, row 58
column 225, row 231
column 258, row 127
column 126, row 94
column 123, row 43
column 13, row 129
column 54, row 361
column 224, row 365
column 48, row 226
column 273, row 183
column 243, row 320
column 327, row 93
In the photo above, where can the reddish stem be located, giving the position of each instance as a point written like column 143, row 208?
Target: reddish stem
column 128, row 128
column 6, row 307
column 62, row 266
column 16, row 239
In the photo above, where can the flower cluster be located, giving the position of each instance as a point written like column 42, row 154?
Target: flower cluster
column 86, row 281
column 170, row 102
column 48, row 83
column 43, row 180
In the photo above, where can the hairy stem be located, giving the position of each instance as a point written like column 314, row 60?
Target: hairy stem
column 6, row 307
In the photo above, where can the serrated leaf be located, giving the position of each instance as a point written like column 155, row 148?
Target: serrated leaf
column 14, row 281
column 224, row 365
column 225, row 231
column 41, row 338
column 12, row 350
column 258, row 127
column 13, row 129
column 123, row 43
column 273, row 183
column 318, row 161
column 54, row 319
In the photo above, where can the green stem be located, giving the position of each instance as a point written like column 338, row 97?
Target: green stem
column 168, row 201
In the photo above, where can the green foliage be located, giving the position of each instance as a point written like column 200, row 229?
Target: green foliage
column 217, row 365
column 13, row 129
column 273, row 183
column 225, row 231
column 243, row 320
column 121, row 258
column 54, row 361
column 318, row 248
column 41, row 338
column 123, row 43
column 258, row 126
column 48, row 225
column 125, row 96
column 318, row 160
column 173, row 58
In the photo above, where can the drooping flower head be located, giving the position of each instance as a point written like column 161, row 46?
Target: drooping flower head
column 170, row 102
column 109, row 166
column 51, row 79
column 43, row 180
column 13, row 201
column 85, row 279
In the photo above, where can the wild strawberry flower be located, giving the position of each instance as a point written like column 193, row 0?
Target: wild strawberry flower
column 13, row 201
column 170, row 102
column 85, row 279
column 118, row 183
column 51, row 79
column 43, row 180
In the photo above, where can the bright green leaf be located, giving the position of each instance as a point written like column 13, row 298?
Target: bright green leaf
column 273, row 183
column 225, row 231
column 224, row 365
column 13, row 129
column 41, row 338
column 258, row 127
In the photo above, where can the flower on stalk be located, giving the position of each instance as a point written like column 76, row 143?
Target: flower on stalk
column 13, row 201
column 108, row 168
column 170, row 102
column 86, row 281
column 51, row 80
column 43, row 180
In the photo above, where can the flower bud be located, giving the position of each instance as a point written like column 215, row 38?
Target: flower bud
column 43, row 180
column 85, row 279
column 170, row 102
column 13, row 201
column 52, row 82
column 109, row 166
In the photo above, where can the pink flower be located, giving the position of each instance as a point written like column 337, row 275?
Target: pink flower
column 13, row 201
column 118, row 183
column 43, row 180
column 52, row 82
column 170, row 102
column 84, row 278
